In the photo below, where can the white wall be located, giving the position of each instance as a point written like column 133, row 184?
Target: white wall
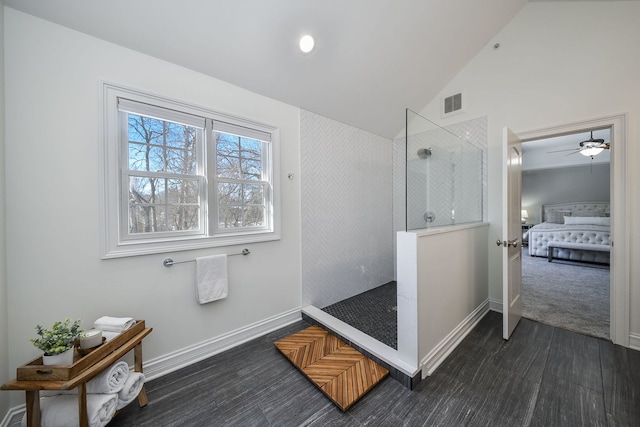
column 570, row 184
column 558, row 63
column 347, row 220
column 52, row 146
column 4, row 316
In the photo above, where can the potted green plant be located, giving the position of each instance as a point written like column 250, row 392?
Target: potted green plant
column 57, row 342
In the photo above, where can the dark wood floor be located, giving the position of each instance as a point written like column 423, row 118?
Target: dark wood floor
column 542, row 376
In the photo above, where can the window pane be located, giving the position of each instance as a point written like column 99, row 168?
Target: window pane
column 161, row 146
column 229, row 216
column 179, row 136
column 251, row 159
column 254, row 216
column 182, row 191
column 227, row 145
column 145, row 157
column 229, row 193
column 184, row 218
column 228, row 167
column 181, row 161
column 144, row 190
column 144, row 129
column 146, row 219
column 241, row 205
column 251, row 169
column 253, row 194
column 162, row 204
column 238, row 158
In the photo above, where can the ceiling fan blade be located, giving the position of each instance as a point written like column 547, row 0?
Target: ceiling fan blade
column 560, row 151
column 577, row 151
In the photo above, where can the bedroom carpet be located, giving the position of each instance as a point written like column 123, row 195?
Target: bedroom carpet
column 569, row 295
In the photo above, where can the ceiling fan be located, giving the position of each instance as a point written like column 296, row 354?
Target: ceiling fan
column 589, row 147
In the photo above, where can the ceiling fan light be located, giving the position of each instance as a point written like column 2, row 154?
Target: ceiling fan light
column 591, row 151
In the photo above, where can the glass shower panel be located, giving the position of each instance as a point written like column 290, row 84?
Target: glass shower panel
column 444, row 176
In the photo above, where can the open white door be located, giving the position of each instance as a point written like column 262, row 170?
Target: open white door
column 511, row 233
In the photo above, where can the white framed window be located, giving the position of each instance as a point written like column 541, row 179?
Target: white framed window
column 177, row 176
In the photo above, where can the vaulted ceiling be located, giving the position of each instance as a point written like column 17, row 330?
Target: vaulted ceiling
column 373, row 58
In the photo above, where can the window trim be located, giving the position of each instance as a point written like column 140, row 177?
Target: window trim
column 112, row 243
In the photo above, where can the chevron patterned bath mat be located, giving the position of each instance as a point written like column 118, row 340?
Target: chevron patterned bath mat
column 342, row 373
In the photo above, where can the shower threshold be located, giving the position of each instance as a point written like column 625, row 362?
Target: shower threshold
column 388, row 357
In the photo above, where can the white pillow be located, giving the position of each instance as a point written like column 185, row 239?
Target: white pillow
column 584, row 220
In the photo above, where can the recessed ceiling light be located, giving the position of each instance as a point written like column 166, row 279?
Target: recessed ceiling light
column 306, row 43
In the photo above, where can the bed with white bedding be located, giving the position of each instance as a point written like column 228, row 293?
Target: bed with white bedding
column 580, row 223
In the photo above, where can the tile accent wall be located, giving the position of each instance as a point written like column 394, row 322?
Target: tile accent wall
column 347, row 237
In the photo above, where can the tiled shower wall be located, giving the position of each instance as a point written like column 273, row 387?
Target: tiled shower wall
column 347, row 238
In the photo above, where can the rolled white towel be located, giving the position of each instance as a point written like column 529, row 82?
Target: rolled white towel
column 62, row 410
column 114, row 324
column 131, row 389
column 111, row 380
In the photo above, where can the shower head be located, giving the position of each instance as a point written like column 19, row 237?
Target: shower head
column 424, row 153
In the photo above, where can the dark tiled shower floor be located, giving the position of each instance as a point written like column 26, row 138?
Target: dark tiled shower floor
column 373, row 312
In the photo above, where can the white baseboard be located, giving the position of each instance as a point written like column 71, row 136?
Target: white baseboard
column 163, row 365
column 495, row 305
column 634, row 341
column 440, row 352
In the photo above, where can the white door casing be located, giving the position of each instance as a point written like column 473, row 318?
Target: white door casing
column 511, row 233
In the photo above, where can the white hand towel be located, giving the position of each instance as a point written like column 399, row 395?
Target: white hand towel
column 114, row 324
column 211, row 278
column 62, row 410
column 131, row 389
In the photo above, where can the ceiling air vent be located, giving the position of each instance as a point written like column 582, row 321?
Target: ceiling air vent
column 453, row 103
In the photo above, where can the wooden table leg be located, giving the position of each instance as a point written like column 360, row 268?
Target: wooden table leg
column 83, row 416
column 137, row 364
column 33, row 408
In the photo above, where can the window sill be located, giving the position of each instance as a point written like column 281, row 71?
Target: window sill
column 130, row 249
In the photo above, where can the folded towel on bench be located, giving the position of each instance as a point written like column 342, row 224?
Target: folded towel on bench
column 114, row 324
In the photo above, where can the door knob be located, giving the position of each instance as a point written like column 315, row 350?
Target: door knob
column 507, row 243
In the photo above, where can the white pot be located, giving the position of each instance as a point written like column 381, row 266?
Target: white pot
column 62, row 359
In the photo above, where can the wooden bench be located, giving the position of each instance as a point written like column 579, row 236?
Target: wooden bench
column 570, row 245
column 33, row 387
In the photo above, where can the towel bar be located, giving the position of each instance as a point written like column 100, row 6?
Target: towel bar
column 168, row 262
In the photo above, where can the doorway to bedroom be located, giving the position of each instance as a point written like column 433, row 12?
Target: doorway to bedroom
column 566, row 194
